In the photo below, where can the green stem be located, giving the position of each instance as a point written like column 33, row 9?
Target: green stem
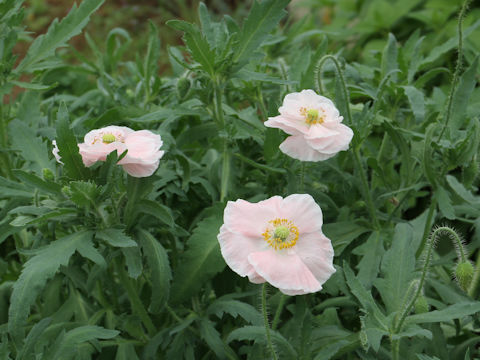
column 218, row 113
column 365, row 187
column 135, row 301
column 225, row 171
column 319, row 86
column 265, row 320
column 426, row 229
column 278, row 312
column 302, row 177
column 133, row 192
column 472, row 291
column 458, row 67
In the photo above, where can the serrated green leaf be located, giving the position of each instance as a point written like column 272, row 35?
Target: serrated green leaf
column 445, row 203
column 417, row 102
column 151, row 59
column 34, row 276
column 390, row 56
column 68, row 147
column 87, row 250
column 159, row 211
column 38, row 183
column 58, row 34
column 398, row 267
column 261, row 20
column 212, row 337
column 126, row 352
column 83, row 193
column 197, row 44
column 159, row 266
column 455, row 311
column 257, row 334
column 235, row 308
column 33, row 336
column 25, row 140
column 116, row 237
column 342, row 234
column 201, row 261
column 133, row 259
column 461, row 191
column 67, row 344
column 462, row 95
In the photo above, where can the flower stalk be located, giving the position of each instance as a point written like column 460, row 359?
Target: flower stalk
column 267, row 325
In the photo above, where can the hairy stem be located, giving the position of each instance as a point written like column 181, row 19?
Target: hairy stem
column 265, row 319
column 426, row 229
column 135, row 301
column 278, row 312
column 458, row 67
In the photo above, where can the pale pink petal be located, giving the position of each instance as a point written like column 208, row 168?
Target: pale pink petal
column 311, row 98
column 293, row 292
column 55, row 151
column 298, row 148
column 99, row 151
column 144, row 145
column 316, row 252
column 320, row 131
column 256, row 279
column 118, row 131
column 333, row 144
column 141, row 170
column 291, row 127
column 284, row 270
column 235, row 249
column 251, row 219
column 303, row 211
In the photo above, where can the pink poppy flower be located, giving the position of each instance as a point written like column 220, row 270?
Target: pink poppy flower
column 278, row 240
column 315, row 125
column 143, row 147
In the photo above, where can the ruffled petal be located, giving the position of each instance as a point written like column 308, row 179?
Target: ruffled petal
column 333, row 144
column 298, row 148
column 141, row 169
column 304, row 212
column 291, row 127
column 251, row 219
column 235, row 249
column 284, row 270
column 316, row 252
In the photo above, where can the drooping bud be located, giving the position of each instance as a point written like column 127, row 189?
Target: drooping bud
column 421, row 305
column 108, row 138
column 464, row 274
column 281, row 232
column 66, row 190
column 48, row 174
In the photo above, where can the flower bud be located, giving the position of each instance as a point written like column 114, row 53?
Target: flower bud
column 421, row 305
column 464, row 273
column 67, row 191
column 48, row 175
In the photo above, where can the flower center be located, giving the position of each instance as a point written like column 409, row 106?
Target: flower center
column 280, row 234
column 108, row 138
column 312, row 116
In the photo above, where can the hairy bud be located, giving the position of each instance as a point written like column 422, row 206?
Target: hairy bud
column 48, row 174
column 421, row 305
column 464, row 274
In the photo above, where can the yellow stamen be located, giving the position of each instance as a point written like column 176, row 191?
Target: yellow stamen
column 312, row 116
column 281, row 234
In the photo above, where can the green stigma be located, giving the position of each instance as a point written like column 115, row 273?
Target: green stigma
column 108, row 138
column 282, row 232
column 312, row 115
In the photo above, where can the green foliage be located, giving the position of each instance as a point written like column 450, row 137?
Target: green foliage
column 200, row 262
column 96, row 263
